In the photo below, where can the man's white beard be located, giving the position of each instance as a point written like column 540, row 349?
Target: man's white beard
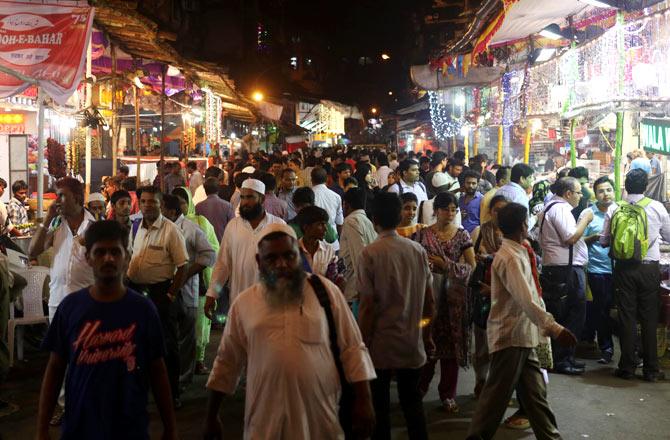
column 280, row 292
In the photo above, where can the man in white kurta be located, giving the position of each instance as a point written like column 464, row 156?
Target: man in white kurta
column 236, row 261
column 293, row 385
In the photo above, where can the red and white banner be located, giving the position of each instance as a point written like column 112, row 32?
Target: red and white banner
column 46, row 43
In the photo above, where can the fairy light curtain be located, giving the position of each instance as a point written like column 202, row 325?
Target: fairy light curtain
column 448, row 111
column 589, row 75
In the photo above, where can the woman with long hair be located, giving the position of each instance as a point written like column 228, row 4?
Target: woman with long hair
column 487, row 239
column 366, row 180
column 446, row 245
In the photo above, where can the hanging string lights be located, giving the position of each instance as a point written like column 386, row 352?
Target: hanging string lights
column 213, row 109
column 441, row 115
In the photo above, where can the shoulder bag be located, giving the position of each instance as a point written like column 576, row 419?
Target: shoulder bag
column 347, row 394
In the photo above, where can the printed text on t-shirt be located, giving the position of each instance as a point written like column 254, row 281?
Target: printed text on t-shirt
column 98, row 346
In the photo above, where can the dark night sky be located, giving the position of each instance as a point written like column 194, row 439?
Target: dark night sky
column 334, row 34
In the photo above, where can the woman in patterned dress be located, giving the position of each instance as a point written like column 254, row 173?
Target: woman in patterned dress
column 448, row 244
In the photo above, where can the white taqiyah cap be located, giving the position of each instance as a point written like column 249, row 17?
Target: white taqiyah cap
column 249, row 169
column 276, row 227
column 439, row 179
column 96, row 197
column 254, row 184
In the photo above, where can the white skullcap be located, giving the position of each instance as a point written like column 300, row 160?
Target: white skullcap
column 276, row 227
column 96, row 197
column 254, row 184
column 439, row 179
column 249, row 170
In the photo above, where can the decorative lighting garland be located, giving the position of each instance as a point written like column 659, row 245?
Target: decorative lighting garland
column 444, row 125
column 589, row 75
column 213, row 109
column 583, row 76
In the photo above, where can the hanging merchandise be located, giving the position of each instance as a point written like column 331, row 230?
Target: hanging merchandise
column 55, row 153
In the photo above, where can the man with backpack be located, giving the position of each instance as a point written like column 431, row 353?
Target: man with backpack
column 408, row 172
column 634, row 232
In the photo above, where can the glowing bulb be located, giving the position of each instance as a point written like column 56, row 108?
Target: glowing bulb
column 257, row 96
column 373, row 110
column 172, row 71
column 386, row 57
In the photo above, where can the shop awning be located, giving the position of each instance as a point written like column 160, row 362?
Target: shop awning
column 528, row 17
column 430, row 79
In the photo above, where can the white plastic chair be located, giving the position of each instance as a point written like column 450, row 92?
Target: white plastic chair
column 33, row 309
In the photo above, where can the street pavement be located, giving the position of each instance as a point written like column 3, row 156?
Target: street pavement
column 594, row 406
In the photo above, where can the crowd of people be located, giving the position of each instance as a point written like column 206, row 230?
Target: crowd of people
column 336, row 272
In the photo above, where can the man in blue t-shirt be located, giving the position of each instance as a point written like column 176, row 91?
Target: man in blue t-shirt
column 109, row 339
column 599, row 271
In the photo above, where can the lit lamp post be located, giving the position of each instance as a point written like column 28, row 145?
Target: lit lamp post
column 258, row 97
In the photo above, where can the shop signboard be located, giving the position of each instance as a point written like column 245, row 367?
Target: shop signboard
column 12, row 123
column 45, row 42
column 655, row 135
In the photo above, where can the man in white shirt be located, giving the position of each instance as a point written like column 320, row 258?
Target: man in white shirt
column 199, row 194
column 408, row 171
column 318, row 254
column 63, row 229
column 293, row 383
column 327, row 199
column 236, row 259
column 200, row 255
column 357, row 232
column 66, row 222
column 521, row 182
column 563, row 259
column 516, row 325
column 636, row 284
column 425, row 211
column 194, row 176
column 383, row 169
column 158, row 268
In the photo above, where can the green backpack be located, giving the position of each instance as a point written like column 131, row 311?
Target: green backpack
column 629, row 239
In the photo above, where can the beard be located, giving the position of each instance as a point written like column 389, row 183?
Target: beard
column 283, row 290
column 251, row 212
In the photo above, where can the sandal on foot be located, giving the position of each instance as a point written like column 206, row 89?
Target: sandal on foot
column 517, row 422
column 451, row 406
